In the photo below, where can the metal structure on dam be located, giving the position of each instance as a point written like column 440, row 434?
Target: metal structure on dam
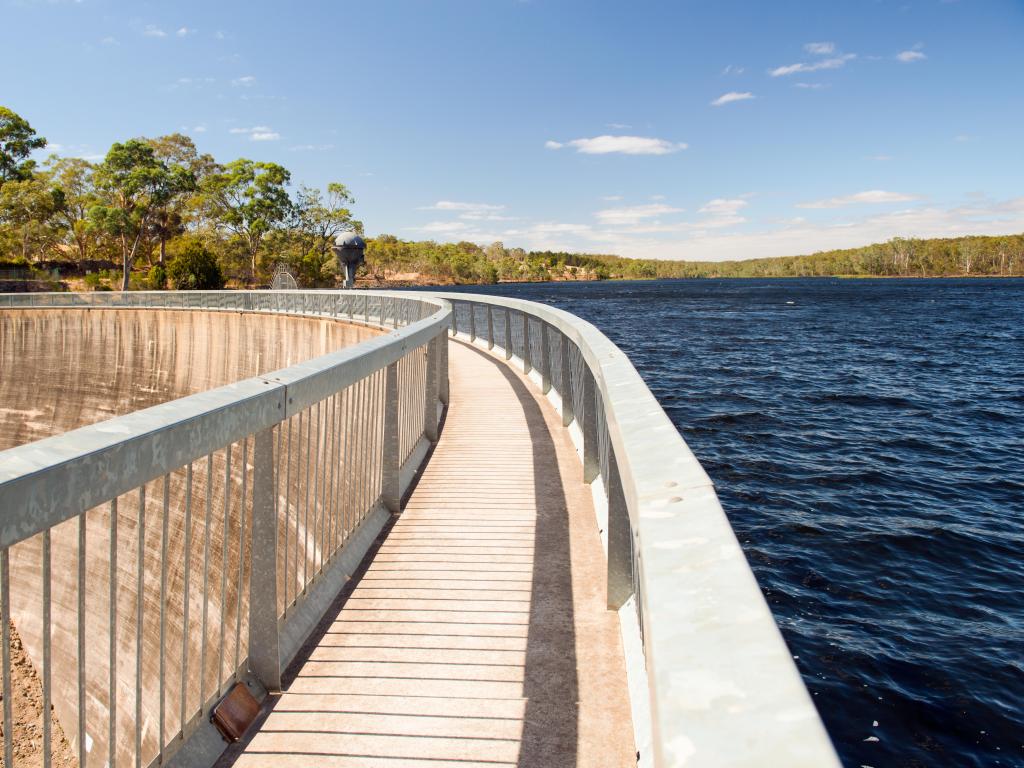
column 241, row 513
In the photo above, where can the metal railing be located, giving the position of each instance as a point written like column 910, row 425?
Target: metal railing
column 715, row 674
column 154, row 560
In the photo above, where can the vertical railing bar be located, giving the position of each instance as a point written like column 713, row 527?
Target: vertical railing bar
column 163, row 613
column 370, row 424
column 347, row 469
column 277, row 486
column 187, row 566
column 508, row 334
column 287, row 512
column 332, row 484
column 224, row 569
column 47, row 649
column 379, row 417
column 362, row 416
column 207, row 517
column 81, row 640
column 140, row 604
column 305, row 513
column 241, row 555
column 316, row 486
column 490, row 327
column 5, row 637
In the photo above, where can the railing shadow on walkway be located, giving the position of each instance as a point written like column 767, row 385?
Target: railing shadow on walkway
column 548, row 729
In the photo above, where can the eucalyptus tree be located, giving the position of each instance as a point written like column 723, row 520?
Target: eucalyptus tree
column 17, row 142
column 75, row 193
column 248, row 199
column 321, row 218
column 133, row 185
column 27, row 209
column 178, row 152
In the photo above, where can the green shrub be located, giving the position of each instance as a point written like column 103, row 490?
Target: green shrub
column 195, row 269
column 157, row 277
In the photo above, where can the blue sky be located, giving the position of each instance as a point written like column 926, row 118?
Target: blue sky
column 699, row 130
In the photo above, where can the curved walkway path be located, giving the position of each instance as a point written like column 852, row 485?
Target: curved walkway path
column 477, row 635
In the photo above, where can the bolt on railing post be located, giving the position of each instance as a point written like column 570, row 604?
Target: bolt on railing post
column 527, row 356
column 620, row 550
column 591, row 458
column 545, row 359
column 390, row 483
column 508, row 334
column 431, row 390
column 490, row 328
column 264, row 643
column 566, row 383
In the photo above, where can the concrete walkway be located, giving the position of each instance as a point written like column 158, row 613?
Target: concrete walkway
column 478, row 634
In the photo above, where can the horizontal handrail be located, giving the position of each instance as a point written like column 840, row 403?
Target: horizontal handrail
column 723, row 688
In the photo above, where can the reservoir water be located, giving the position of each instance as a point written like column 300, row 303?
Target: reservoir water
column 866, row 438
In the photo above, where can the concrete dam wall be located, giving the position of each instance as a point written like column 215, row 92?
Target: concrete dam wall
column 63, row 369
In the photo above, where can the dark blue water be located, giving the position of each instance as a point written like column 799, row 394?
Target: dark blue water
column 866, row 438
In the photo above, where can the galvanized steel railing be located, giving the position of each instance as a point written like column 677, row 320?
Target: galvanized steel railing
column 161, row 556
column 715, row 675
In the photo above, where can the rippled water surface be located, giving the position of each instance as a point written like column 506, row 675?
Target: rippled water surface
column 866, row 438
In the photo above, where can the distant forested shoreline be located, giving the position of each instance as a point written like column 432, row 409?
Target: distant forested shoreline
column 156, row 213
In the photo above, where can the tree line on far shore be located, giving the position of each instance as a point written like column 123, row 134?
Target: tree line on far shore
column 156, row 213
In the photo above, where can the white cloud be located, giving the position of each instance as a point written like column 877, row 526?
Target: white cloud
column 909, row 56
column 820, row 49
column 833, row 63
column 732, row 69
column 871, row 197
column 619, row 126
column 962, row 138
column 634, row 214
column 731, row 96
column 723, row 207
column 152, row 30
column 257, row 133
column 185, row 32
column 444, row 227
column 451, row 205
column 880, row 158
column 625, row 145
column 810, row 86
column 244, row 82
column 612, row 198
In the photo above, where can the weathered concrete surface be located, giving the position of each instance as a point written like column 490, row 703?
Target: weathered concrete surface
column 64, row 368
column 478, row 635
column 61, row 369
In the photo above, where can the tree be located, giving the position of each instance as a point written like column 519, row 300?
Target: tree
column 134, row 185
column 27, row 208
column 249, row 200
column 72, row 180
column 195, row 269
column 17, row 141
column 320, row 219
column 178, row 152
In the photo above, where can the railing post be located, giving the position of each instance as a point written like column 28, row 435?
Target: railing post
column 490, row 328
column 431, row 390
column 508, row 334
column 566, row 393
column 442, row 367
column 527, row 356
column 620, row 549
column 264, row 644
column 545, row 359
column 391, row 491
column 591, row 457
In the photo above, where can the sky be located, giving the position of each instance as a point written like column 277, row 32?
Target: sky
column 706, row 130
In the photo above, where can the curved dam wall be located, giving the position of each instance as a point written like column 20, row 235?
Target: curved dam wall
column 62, row 369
